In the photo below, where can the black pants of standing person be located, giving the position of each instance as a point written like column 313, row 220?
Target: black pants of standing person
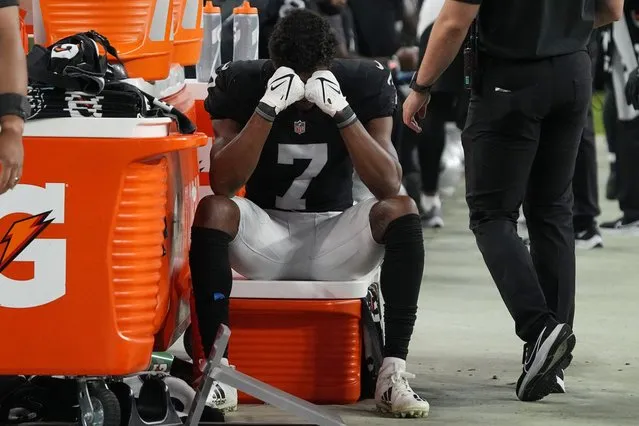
column 520, row 141
column 610, row 122
column 584, row 184
column 429, row 143
column 448, row 103
column 627, row 159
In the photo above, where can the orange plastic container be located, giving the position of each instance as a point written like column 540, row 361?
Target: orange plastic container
column 95, row 254
column 140, row 30
column 309, row 348
column 23, row 31
column 199, row 92
column 189, row 31
column 205, row 125
column 173, row 312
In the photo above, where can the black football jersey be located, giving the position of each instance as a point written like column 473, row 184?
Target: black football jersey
column 304, row 165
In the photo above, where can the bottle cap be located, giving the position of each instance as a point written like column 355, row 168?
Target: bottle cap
column 209, row 7
column 245, row 9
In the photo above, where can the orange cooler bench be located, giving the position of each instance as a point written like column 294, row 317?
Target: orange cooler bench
column 303, row 337
column 94, row 272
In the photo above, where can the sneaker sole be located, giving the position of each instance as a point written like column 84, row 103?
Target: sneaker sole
column 537, row 385
column 433, row 222
column 558, row 386
column 405, row 414
column 231, row 409
column 594, row 242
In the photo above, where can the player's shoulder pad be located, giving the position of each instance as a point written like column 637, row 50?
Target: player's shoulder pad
column 237, row 89
column 241, row 76
column 368, row 87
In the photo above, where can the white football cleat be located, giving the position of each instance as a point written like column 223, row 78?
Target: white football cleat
column 393, row 394
column 222, row 397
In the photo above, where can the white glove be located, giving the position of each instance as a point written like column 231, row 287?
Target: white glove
column 323, row 90
column 283, row 89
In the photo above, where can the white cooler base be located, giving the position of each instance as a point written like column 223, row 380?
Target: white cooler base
column 333, row 290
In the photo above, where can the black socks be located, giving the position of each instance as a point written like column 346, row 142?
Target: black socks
column 212, row 280
column 401, row 280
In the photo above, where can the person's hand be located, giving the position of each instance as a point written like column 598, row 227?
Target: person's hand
column 283, row 89
column 632, row 89
column 11, row 155
column 414, row 109
column 324, row 90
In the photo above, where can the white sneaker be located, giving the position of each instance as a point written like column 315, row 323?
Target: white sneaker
column 393, row 394
column 222, row 397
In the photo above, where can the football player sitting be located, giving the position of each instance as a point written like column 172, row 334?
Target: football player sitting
column 291, row 129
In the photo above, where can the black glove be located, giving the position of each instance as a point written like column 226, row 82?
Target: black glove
column 632, row 89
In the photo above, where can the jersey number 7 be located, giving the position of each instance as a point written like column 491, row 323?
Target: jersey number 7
column 287, row 154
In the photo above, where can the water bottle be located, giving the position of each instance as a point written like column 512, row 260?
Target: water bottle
column 210, row 57
column 246, row 32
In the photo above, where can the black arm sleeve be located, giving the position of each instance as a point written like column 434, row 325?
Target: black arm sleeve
column 7, row 3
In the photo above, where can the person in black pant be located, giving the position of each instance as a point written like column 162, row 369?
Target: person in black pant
column 531, row 93
column 623, row 59
column 610, row 122
column 585, row 187
column 586, row 190
column 448, row 103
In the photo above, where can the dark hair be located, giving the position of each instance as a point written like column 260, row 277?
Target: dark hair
column 303, row 41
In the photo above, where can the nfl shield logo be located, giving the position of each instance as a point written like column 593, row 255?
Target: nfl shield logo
column 299, row 127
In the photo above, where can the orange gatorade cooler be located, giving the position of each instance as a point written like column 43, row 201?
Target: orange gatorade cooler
column 93, row 244
column 302, row 337
column 189, row 31
column 140, row 30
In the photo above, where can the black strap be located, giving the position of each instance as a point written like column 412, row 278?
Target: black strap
column 102, row 40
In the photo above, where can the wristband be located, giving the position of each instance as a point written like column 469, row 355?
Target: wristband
column 418, row 87
column 345, row 117
column 265, row 111
column 14, row 104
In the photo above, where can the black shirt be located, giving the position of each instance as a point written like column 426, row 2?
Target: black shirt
column 6, row 3
column 534, row 29
column 304, row 165
column 375, row 26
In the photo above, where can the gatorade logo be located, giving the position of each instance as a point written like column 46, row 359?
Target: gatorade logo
column 65, row 51
column 32, row 266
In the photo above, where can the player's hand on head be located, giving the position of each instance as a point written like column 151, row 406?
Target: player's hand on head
column 283, row 89
column 324, row 90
